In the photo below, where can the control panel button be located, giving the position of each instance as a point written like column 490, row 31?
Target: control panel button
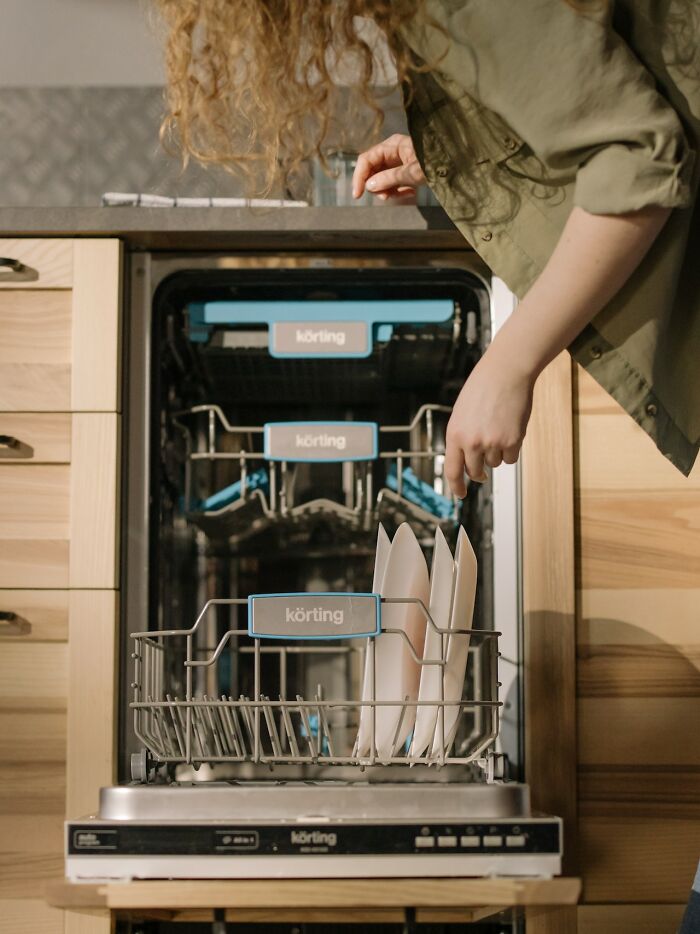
column 516, row 839
column 470, row 840
column 493, row 840
column 447, row 841
column 424, row 843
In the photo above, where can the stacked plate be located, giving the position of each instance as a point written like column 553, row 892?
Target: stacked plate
column 417, row 659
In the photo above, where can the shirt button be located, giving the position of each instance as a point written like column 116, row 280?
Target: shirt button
column 596, row 353
column 510, row 144
column 441, row 171
column 651, row 410
column 487, row 236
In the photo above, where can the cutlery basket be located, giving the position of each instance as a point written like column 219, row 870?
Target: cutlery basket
column 239, row 698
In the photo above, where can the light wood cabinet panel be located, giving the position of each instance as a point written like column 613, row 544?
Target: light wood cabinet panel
column 34, row 525
column 633, row 860
column 95, row 319
column 33, row 676
column 639, row 616
column 35, row 327
column 45, row 611
column 35, row 351
column 638, row 730
column 641, row 539
column 659, row 670
column 34, row 501
column 29, row 916
column 40, row 787
column 31, row 736
column 33, row 563
column 59, row 348
column 604, row 443
column 660, row 790
column 629, row 919
column 49, row 263
column 31, row 852
column 549, row 609
column 40, row 438
column 93, row 514
column 59, row 523
column 91, row 698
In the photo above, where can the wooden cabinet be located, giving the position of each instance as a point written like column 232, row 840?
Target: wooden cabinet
column 59, row 437
column 638, row 672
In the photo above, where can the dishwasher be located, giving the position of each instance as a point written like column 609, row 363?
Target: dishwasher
column 282, row 411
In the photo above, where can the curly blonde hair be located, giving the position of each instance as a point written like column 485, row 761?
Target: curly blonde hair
column 252, row 85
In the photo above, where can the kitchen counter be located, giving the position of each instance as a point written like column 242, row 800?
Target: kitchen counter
column 246, row 228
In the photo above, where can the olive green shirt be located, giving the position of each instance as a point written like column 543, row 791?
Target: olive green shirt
column 536, row 108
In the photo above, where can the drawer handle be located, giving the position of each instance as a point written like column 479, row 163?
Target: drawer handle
column 12, row 447
column 16, row 270
column 11, row 624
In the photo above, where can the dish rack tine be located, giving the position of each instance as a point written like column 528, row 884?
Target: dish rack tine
column 396, row 743
column 238, row 731
column 289, row 727
column 224, row 734
column 200, row 731
column 228, row 730
column 158, row 732
column 148, row 732
column 272, row 728
column 214, row 729
column 245, row 714
column 307, row 726
column 176, row 723
column 325, row 730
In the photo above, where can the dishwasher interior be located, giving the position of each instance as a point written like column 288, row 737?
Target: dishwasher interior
column 292, row 411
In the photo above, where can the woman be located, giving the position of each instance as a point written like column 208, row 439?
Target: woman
column 559, row 135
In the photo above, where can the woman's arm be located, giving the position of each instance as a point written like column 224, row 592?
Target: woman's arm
column 593, row 259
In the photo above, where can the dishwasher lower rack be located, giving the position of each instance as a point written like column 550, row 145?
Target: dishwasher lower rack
column 265, row 700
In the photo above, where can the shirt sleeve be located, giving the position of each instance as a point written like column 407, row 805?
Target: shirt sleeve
column 574, row 91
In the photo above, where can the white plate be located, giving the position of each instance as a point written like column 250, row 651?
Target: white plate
column 381, row 556
column 441, row 587
column 396, row 673
column 458, row 645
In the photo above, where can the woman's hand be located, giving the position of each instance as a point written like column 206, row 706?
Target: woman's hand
column 489, row 418
column 390, row 168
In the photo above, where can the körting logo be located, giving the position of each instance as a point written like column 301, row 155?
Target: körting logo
column 324, row 440
column 320, row 336
column 315, row 614
column 314, row 838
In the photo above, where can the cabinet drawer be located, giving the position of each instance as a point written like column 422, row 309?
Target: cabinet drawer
column 43, row 264
column 29, row 437
column 58, row 521
column 35, row 351
column 33, row 676
column 34, row 525
column 33, row 616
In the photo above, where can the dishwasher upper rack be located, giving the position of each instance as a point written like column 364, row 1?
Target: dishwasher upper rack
column 321, row 731
column 256, row 508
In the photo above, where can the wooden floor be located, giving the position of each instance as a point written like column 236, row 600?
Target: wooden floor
column 638, row 673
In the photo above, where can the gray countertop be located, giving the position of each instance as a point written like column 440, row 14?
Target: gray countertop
column 251, row 228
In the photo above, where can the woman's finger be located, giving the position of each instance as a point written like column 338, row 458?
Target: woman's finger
column 383, row 155
column 454, row 470
column 510, row 455
column 494, row 457
column 400, row 176
column 474, row 463
column 398, row 194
